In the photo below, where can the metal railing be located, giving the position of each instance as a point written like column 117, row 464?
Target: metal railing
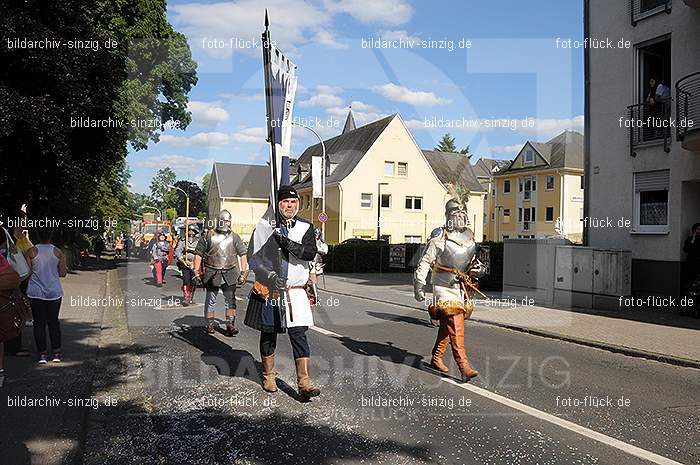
column 649, row 122
column 640, row 8
column 687, row 104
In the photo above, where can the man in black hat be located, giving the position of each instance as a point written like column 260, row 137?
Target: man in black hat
column 280, row 255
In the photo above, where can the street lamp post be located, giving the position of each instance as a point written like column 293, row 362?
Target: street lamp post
column 379, row 207
column 323, row 177
column 187, row 212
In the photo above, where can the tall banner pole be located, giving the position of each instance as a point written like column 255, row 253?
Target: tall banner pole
column 267, row 51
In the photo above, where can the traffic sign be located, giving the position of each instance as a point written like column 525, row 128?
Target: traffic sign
column 322, row 217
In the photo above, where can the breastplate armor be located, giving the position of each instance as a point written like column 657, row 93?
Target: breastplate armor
column 222, row 252
column 458, row 253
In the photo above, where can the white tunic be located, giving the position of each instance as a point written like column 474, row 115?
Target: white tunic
column 298, row 275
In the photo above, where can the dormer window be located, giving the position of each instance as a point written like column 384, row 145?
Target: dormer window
column 529, row 156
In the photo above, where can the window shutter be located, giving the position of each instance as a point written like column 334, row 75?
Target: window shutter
column 651, row 181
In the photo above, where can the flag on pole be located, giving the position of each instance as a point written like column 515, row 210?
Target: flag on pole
column 280, row 90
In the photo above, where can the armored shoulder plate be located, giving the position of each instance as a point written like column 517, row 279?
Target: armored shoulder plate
column 437, row 232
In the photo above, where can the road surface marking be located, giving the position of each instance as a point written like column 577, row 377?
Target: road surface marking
column 582, row 430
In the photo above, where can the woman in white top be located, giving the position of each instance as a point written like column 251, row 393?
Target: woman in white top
column 45, row 293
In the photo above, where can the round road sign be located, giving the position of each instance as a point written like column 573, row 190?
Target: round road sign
column 322, row 217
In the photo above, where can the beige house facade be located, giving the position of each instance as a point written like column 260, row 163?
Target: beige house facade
column 381, row 184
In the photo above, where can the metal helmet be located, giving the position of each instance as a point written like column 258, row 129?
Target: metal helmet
column 452, row 208
column 223, row 222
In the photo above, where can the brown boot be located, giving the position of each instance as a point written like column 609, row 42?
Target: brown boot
column 210, row 323
column 443, row 339
column 269, row 383
column 456, row 331
column 231, row 329
column 306, row 389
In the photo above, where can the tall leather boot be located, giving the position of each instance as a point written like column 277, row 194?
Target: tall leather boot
column 269, row 383
column 231, row 329
column 185, row 296
column 306, row 389
column 439, row 348
column 192, row 288
column 456, row 331
column 210, row 322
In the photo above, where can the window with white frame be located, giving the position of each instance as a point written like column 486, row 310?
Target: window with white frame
column 412, row 239
column 506, row 215
column 388, row 168
column 550, row 183
column 520, row 215
column 533, row 216
column 366, row 201
column 529, row 156
column 402, row 169
column 506, row 186
column 414, row 203
column 317, row 204
column 651, row 201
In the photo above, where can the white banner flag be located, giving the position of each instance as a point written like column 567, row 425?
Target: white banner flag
column 316, row 176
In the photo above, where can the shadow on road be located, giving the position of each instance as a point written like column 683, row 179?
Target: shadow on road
column 401, row 318
column 387, row 352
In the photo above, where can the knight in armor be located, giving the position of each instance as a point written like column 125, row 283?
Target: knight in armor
column 218, row 251
column 184, row 252
column 279, row 302
column 451, row 255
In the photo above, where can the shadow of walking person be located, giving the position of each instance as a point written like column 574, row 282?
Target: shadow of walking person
column 227, row 360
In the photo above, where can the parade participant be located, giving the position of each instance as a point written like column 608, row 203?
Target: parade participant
column 450, row 254
column 185, row 262
column 219, row 250
column 159, row 258
column 279, row 301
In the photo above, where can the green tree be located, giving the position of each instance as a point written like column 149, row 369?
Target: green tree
column 163, row 195
column 205, row 184
column 446, row 144
column 53, row 159
column 197, row 199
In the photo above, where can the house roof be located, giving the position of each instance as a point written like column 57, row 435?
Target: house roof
column 563, row 151
column 484, row 167
column 452, row 168
column 243, row 181
column 349, row 123
column 345, row 150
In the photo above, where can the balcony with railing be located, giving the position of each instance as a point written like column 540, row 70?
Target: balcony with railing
column 640, row 9
column 688, row 111
column 650, row 125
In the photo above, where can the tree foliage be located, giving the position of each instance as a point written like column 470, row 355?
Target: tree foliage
column 446, row 144
column 132, row 74
column 162, row 194
column 197, row 198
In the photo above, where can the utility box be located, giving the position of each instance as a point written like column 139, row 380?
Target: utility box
column 529, row 266
column 591, row 278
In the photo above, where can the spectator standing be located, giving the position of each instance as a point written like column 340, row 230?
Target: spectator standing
column 8, row 280
column 45, row 293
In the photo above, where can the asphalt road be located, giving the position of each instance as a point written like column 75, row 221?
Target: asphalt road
column 537, row 400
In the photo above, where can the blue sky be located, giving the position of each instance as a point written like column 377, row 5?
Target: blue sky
column 513, row 74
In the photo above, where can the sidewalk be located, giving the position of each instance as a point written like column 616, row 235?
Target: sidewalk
column 52, row 432
column 650, row 333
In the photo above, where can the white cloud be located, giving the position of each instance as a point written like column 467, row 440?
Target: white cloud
column 406, row 95
column 322, row 100
column 201, row 139
column 176, row 162
column 553, row 126
column 207, row 112
column 515, row 148
column 328, row 39
column 294, row 22
column 363, row 113
column 250, row 135
column 399, row 35
column 227, row 96
column 392, row 12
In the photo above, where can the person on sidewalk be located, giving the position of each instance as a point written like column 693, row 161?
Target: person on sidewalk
column 45, row 293
column 185, row 262
column 450, row 255
column 159, row 258
column 219, row 251
column 279, row 301
column 24, row 245
column 9, row 279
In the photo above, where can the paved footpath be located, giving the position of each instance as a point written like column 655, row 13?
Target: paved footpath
column 657, row 334
column 52, row 432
